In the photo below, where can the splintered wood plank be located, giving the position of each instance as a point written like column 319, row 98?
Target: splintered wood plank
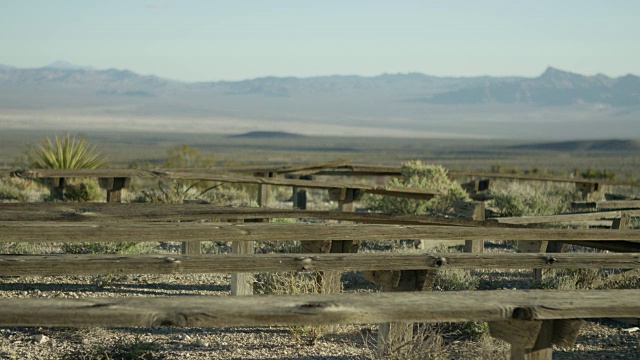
column 358, row 308
column 69, row 264
column 44, row 231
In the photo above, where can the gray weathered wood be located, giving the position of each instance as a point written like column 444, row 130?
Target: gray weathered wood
column 41, row 231
column 607, row 205
column 174, row 212
column 114, row 187
column 534, row 247
column 471, row 210
column 242, row 282
column 355, row 308
column 534, row 339
column 379, row 263
column 344, row 170
column 564, row 218
column 207, row 176
column 622, row 222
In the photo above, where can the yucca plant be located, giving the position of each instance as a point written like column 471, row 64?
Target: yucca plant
column 65, row 152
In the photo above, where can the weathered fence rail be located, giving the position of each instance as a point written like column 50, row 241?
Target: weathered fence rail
column 212, row 311
column 67, row 264
column 47, row 231
column 530, row 320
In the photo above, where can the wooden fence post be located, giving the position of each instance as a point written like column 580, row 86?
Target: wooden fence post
column 264, row 189
column 56, row 187
column 534, row 247
column 397, row 337
column 533, row 340
column 473, row 210
column 588, row 189
column 242, row 283
column 114, row 187
column 299, row 195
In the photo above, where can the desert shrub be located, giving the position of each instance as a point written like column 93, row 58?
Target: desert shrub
column 65, row 153
column 102, row 248
column 417, row 175
column 22, row 190
column 569, row 279
column 229, row 195
column 83, row 190
column 518, row 199
column 459, row 280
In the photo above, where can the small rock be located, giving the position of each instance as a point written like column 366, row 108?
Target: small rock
column 86, row 342
column 202, row 343
column 40, row 338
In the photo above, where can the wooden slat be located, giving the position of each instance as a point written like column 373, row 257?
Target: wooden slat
column 207, row 176
column 564, row 218
column 607, row 205
column 41, row 231
column 375, row 170
column 69, row 264
column 224, row 311
column 96, row 212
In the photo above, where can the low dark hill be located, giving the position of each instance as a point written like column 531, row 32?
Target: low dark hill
column 267, row 135
column 589, row 145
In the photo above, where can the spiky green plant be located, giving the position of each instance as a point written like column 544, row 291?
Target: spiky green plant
column 65, row 152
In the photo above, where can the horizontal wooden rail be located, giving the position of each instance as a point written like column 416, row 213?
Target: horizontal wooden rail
column 328, row 169
column 68, row 264
column 224, row 311
column 204, row 175
column 47, row 231
column 373, row 170
column 607, row 205
column 60, row 211
column 522, row 220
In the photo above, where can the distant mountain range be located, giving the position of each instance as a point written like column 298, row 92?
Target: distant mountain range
column 555, row 105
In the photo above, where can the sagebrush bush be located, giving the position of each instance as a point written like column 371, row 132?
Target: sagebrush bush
column 518, row 199
column 417, row 175
column 83, row 190
column 22, row 190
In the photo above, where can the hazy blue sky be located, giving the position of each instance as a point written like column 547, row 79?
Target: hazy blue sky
column 230, row 40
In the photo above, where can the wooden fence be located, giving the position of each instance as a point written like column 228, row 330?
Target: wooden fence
column 531, row 321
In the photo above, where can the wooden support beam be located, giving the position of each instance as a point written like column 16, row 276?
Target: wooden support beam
column 622, row 222
column 114, row 187
column 56, row 187
column 533, row 340
column 473, row 210
column 299, row 195
column 264, row 190
column 351, row 308
column 242, row 282
column 534, row 247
